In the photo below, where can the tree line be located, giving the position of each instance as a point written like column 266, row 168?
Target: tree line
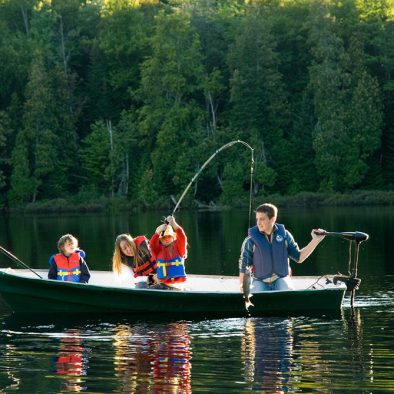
column 130, row 97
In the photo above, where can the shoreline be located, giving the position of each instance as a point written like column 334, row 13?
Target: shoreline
column 117, row 204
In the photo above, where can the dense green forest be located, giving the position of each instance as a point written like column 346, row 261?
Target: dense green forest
column 127, row 99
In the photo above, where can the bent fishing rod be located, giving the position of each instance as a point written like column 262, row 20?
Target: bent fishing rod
column 209, row 160
column 14, row 258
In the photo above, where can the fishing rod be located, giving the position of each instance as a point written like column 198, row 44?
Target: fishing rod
column 209, row 160
column 14, row 258
column 354, row 237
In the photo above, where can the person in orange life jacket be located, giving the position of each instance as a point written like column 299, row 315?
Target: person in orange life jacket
column 168, row 245
column 267, row 249
column 135, row 253
column 69, row 264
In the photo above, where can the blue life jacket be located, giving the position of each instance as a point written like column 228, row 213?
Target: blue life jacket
column 270, row 258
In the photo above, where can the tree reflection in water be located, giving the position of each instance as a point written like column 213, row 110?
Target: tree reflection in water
column 156, row 361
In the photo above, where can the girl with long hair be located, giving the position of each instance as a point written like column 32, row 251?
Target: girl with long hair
column 135, row 254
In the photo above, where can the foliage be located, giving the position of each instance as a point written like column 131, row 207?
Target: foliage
column 125, row 100
column 4, row 159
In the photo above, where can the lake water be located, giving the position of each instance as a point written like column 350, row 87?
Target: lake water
column 147, row 354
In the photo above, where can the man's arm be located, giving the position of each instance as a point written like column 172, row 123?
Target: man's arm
column 307, row 250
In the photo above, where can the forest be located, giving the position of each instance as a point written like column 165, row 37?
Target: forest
column 126, row 99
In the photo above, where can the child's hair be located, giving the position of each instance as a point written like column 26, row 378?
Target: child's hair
column 65, row 238
column 119, row 257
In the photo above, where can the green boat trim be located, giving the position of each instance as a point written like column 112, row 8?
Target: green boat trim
column 207, row 295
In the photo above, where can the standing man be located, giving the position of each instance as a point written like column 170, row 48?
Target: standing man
column 268, row 247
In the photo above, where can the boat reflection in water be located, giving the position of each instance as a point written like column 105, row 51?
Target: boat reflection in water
column 267, row 347
column 269, row 355
column 296, row 354
column 72, row 360
column 156, row 361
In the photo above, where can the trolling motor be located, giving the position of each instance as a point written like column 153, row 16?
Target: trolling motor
column 355, row 238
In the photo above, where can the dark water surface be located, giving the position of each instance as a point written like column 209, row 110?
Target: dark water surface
column 352, row 352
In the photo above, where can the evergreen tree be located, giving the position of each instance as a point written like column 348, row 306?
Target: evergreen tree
column 132, row 157
column 259, row 107
column 347, row 107
column 36, row 138
column 4, row 156
column 377, row 25
column 15, row 52
column 364, row 116
column 214, row 30
column 66, row 165
column 288, row 27
column 98, row 156
column 328, row 82
column 171, row 86
column 123, row 42
column 23, row 185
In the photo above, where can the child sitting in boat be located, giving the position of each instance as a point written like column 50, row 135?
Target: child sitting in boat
column 169, row 244
column 69, row 264
column 135, row 254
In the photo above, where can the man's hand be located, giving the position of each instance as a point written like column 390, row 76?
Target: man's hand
column 318, row 233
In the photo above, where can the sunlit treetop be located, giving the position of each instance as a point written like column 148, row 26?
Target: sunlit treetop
column 111, row 6
column 42, row 4
column 108, row 6
column 382, row 9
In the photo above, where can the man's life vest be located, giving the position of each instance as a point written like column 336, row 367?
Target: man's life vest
column 270, row 258
column 68, row 268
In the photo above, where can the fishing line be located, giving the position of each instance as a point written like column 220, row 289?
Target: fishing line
column 209, row 160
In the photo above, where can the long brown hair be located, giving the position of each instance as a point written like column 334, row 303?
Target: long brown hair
column 118, row 258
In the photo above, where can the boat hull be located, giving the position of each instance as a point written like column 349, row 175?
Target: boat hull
column 34, row 295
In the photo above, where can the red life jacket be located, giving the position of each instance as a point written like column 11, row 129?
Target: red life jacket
column 148, row 266
column 68, row 268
